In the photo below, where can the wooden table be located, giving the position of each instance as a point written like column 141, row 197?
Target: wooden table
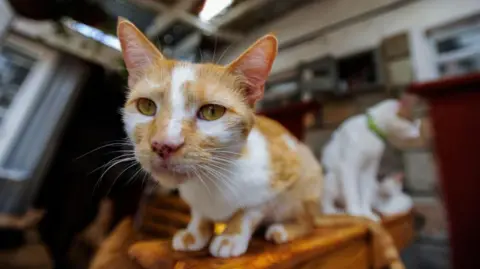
column 455, row 113
column 341, row 248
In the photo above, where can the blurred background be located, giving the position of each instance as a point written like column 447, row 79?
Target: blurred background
column 62, row 82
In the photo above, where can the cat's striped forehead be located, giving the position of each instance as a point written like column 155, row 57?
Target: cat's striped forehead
column 179, row 90
column 182, row 84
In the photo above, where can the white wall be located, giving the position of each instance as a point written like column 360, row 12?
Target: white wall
column 412, row 16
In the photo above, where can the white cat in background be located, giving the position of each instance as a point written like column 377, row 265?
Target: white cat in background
column 352, row 156
column 390, row 199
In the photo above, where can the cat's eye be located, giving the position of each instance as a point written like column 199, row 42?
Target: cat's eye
column 211, row 112
column 146, row 106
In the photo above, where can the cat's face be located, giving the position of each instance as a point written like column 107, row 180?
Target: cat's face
column 404, row 128
column 391, row 185
column 186, row 118
column 402, row 123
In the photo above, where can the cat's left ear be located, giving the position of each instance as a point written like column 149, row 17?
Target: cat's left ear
column 255, row 65
column 138, row 52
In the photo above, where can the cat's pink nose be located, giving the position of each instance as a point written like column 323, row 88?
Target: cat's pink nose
column 165, row 150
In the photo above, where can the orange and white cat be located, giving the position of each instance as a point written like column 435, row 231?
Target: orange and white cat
column 194, row 128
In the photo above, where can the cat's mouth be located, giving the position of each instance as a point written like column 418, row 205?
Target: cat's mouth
column 171, row 175
column 162, row 167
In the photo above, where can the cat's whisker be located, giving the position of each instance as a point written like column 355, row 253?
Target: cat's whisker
column 233, row 153
column 110, row 144
column 223, row 161
column 207, row 161
column 116, row 160
column 118, row 176
column 214, row 49
column 223, row 53
column 206, row 169
column 122, row 151
column 111, row 161
column 216, row 165
column 127, row 159
column 221, row 178
column 213, row 178
column 112, row 164
column 202, row 181
column 134, row 175
column 144, row 179
column 201, row 55
column 225, row 156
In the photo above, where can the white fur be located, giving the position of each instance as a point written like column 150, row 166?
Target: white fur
column 352, row 156
column 236, row 246
column 178, row 245
column 277, row 229
column 390, row 199
column 216, row 128
column 219, row 198
column 131, row 119
column 180, row 75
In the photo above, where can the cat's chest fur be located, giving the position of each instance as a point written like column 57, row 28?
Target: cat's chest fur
column 247, row 183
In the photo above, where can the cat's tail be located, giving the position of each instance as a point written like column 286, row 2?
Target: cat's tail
column 378, row 231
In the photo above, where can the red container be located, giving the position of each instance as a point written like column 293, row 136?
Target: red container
column 292, row 115
column 455, row 114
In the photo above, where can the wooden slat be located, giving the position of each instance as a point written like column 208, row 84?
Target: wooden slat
column 401, row 228
column 261, row 254
column 171, row 216
column 351, row 256
column 159, row 230
column 344, row 247
column 170, row 202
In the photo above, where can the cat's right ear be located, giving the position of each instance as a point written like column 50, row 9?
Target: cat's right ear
column 138, row 52
column 255, row 65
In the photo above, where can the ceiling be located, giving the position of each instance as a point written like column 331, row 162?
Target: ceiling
column 173, row 24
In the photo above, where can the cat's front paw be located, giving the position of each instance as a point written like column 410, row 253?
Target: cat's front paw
column 277, row 233
column 226, row 246
column 185, row 240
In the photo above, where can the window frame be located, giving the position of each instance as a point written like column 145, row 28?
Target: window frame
column 23, row 104
column 456, row 55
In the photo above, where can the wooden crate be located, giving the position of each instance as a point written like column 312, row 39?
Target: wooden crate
column 346, row 247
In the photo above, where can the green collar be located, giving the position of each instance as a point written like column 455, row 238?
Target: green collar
column 374, row 128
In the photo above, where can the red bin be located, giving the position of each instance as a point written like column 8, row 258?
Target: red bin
column 455, row 115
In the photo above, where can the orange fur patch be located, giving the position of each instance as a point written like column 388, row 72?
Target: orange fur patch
column 188, row 239
column 285, row 164
column 235, row 224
